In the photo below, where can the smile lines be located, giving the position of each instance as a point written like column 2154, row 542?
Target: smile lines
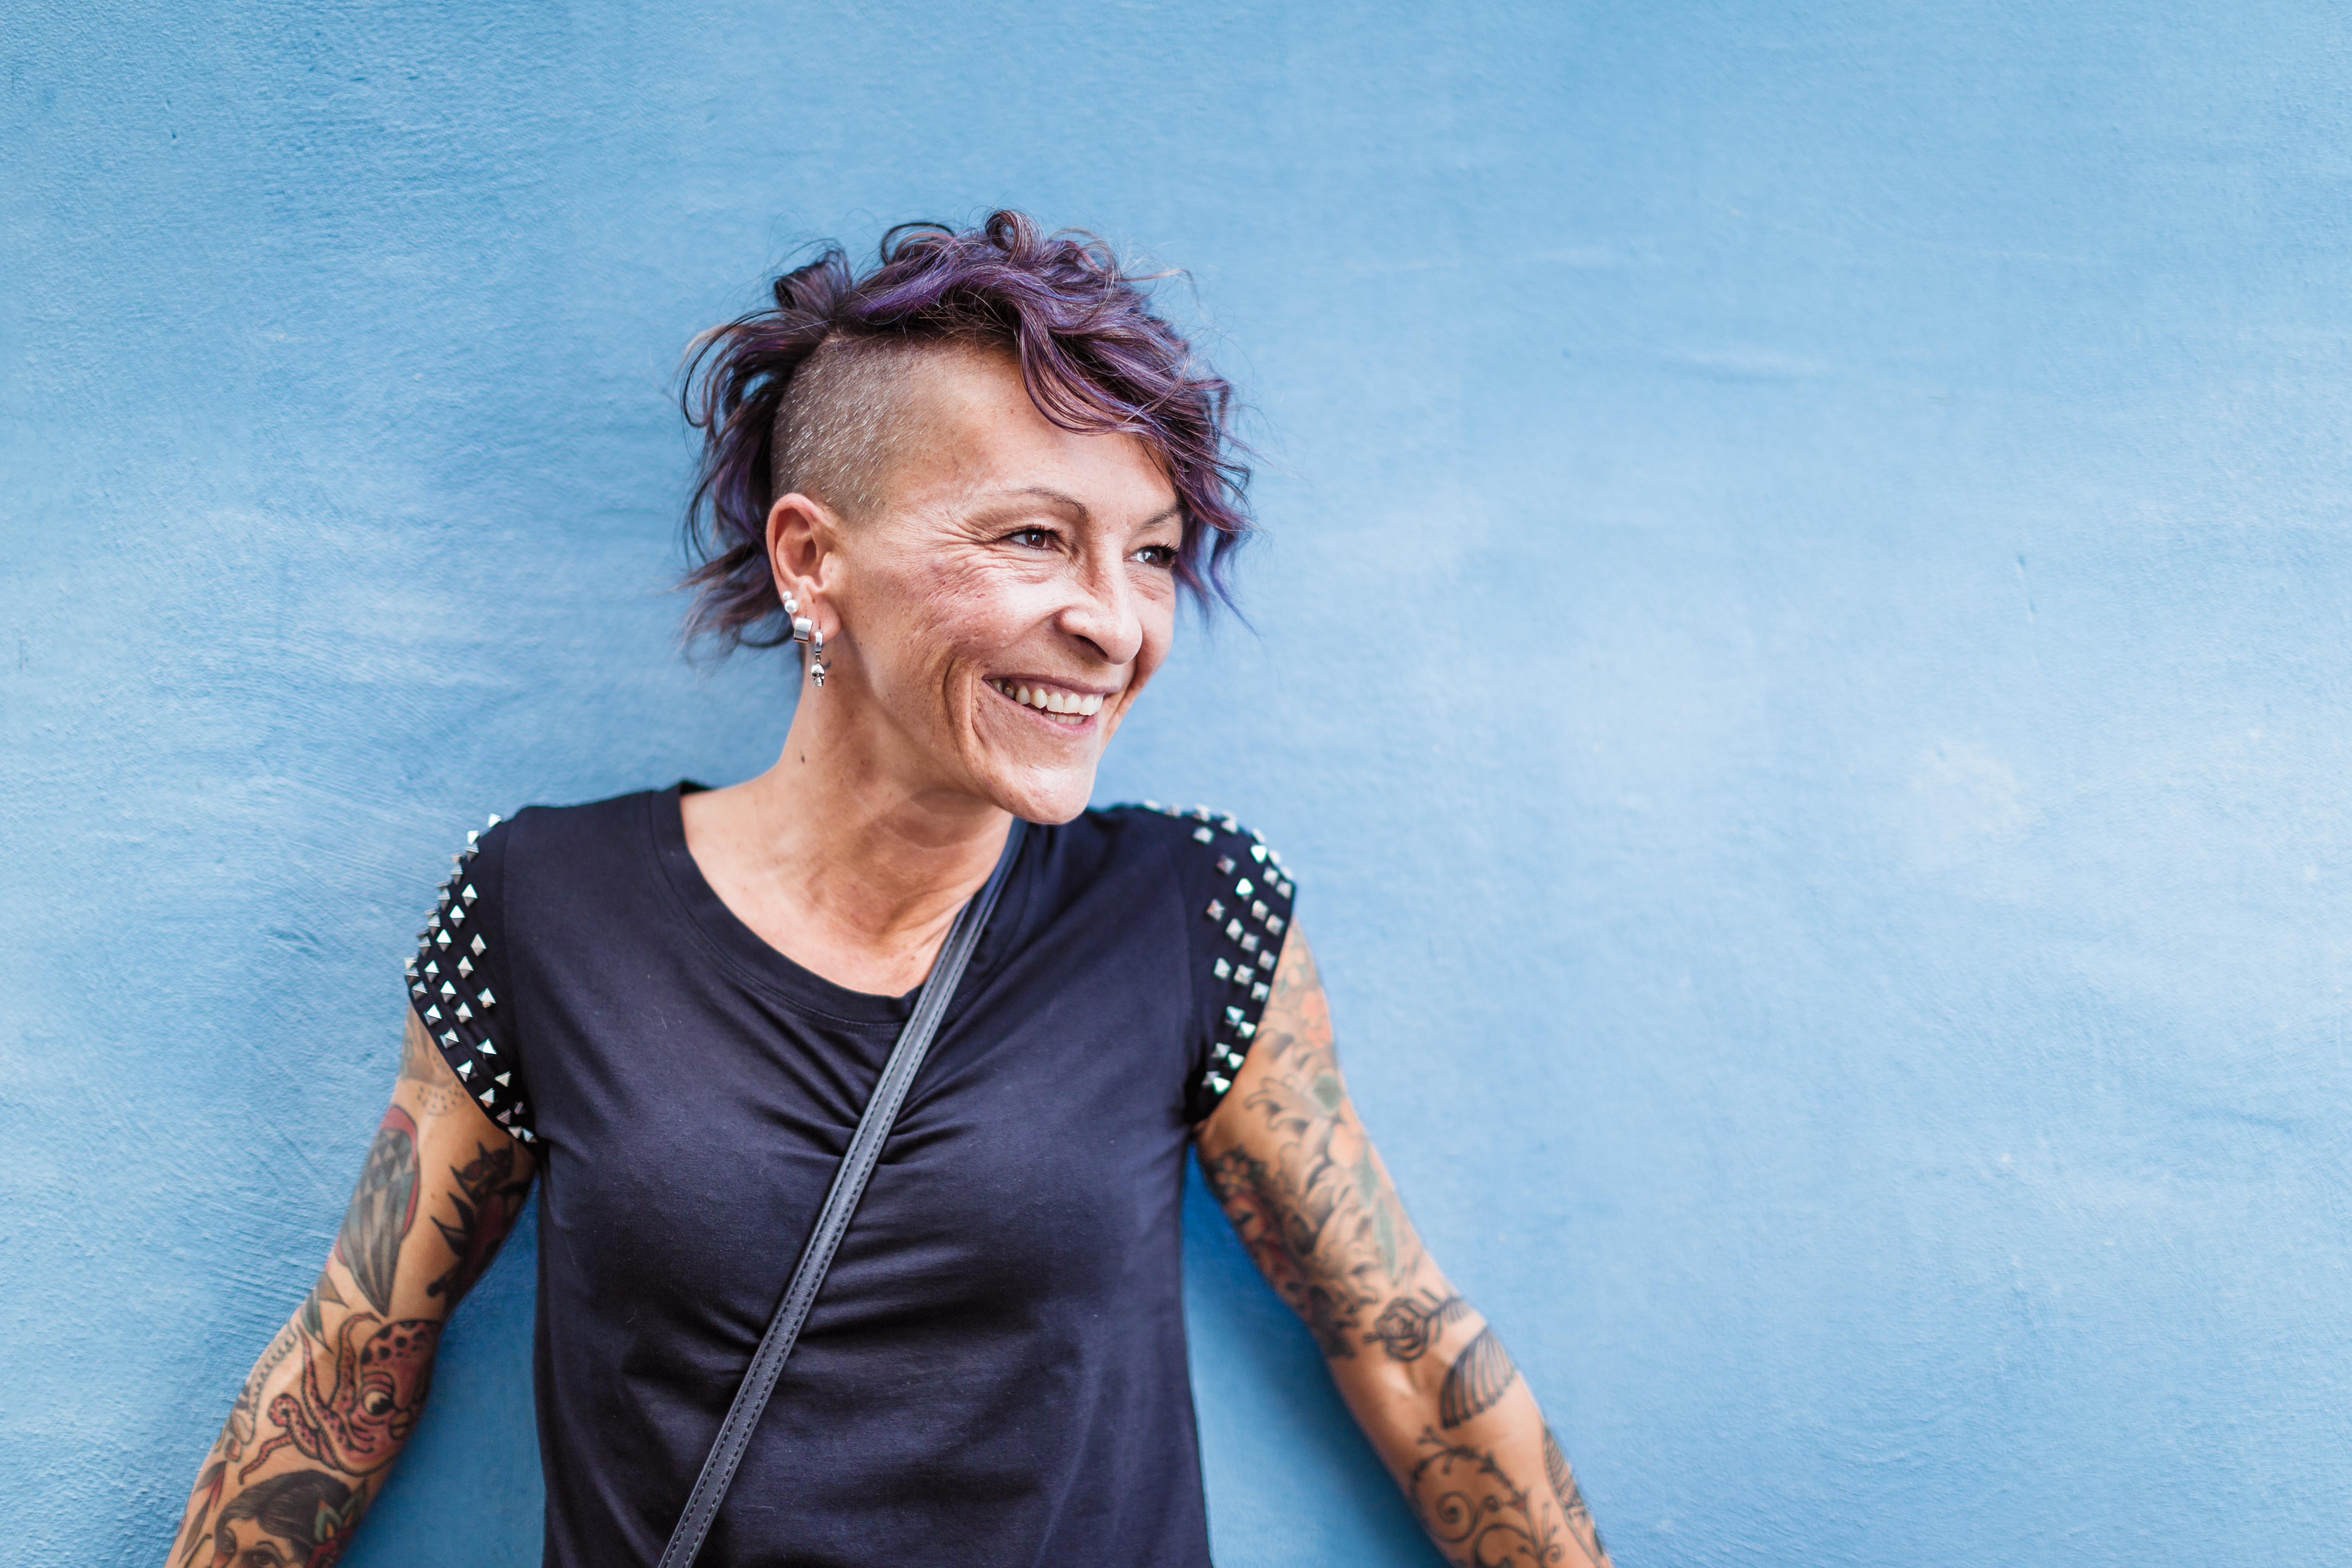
column 1071, row 708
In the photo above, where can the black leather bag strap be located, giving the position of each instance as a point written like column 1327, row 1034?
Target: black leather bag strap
column 848, row 1185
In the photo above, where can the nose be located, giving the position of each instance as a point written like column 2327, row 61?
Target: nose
column 1103, row 611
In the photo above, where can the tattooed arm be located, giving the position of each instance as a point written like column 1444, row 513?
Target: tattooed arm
column 329, row 1405
column 1426, row 1377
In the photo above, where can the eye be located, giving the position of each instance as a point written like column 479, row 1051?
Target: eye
column 1032, row 538
column 1160, row 555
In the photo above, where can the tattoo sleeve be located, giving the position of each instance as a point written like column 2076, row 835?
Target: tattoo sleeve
column 1297, row 1176
column 336, row 1393
column 1424, row 1374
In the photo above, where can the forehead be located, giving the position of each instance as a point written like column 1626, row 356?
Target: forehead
column 971, row 428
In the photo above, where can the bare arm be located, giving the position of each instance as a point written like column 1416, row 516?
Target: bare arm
column 1427, row 1379
column 331, row 1401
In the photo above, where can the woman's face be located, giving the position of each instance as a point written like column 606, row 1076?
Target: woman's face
column 1002, row 608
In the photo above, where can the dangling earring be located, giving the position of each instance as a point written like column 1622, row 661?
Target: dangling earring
column 805, row 631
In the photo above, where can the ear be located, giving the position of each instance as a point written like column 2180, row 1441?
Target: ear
column 803, row 537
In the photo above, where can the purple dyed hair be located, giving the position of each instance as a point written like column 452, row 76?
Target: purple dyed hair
column 1093, row 355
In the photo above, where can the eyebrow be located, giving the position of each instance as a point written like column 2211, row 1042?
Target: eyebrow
column 1063, row 499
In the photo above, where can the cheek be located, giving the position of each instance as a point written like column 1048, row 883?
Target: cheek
column 929, row 619
column 1159, row 617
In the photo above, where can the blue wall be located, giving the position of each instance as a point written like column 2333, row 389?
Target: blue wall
column 1801, row 655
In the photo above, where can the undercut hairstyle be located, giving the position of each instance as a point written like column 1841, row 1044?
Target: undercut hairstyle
column 805, row 397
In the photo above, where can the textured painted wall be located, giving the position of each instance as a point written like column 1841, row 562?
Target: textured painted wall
column 1800, row 653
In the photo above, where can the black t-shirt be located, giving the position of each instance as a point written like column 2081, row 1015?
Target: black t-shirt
column 994, row 1372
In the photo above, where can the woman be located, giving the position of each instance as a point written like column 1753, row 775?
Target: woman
column 974, row 482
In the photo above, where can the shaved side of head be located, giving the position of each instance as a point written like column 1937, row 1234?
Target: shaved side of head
column 843, row 427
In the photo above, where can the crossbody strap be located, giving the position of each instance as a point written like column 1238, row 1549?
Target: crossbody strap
column 848, row 1185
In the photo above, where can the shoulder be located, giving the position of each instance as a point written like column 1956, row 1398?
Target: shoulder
column 566, row 832
column 1239, row 896
column 1207, row 846
column 1200, row 840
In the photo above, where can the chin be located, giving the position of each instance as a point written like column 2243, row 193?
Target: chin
column 1046, row 798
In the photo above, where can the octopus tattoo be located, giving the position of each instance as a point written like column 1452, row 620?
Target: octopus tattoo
column 356, row 1422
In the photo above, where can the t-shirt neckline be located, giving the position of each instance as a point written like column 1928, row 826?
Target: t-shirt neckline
column 745, row 949
column 767, row 966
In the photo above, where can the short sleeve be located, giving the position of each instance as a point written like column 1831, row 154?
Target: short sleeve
column 457, row 982
column 1242, row 897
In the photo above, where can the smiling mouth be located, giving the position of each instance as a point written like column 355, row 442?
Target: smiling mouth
column 1069, row 709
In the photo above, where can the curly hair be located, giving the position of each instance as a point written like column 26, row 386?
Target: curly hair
column 787, row 395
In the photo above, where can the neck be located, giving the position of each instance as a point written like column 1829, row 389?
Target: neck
column 843, row 859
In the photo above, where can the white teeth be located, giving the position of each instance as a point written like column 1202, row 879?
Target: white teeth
column 1068, row 703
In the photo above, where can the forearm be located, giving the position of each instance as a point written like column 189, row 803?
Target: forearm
column 312, row 1435
column 1448, row 1413
column 313, row 1432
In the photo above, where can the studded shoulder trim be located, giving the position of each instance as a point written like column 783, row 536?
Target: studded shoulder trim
column 450, row 987
column 1249, row 911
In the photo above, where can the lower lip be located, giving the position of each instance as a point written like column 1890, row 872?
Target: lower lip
column 1080, row 728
